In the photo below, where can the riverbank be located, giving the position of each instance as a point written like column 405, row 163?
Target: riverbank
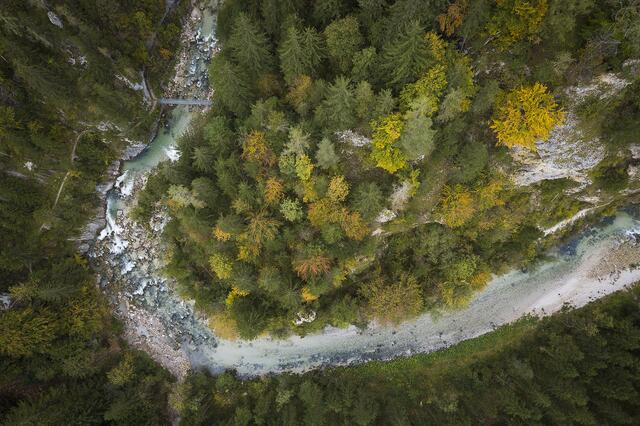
column 605, row 260
column 602, row 260
column 128, row 267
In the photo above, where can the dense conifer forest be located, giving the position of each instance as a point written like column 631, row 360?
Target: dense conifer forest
column 64, row 117
column 356, row 165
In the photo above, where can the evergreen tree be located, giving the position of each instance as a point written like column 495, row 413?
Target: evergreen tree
column 326, row 155
column 249, row 47
column 368, row 200
column 232, row 89
column 417, row 137
column 365, row 101
column 300, row 53
column 365, row 65
column 203, row 158
column 314, row 48
column 324, row 11
column 275, row 13
column 407, row 57
column 337, row 111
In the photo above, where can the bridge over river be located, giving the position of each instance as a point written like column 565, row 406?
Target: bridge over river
column 190, row 102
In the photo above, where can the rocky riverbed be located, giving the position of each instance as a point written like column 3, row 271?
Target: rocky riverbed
column 129, row 258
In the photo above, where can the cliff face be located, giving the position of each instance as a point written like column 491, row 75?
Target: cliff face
column 569, row 152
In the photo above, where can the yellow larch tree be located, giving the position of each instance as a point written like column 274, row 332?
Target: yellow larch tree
column 385, row 153
column 525, row 115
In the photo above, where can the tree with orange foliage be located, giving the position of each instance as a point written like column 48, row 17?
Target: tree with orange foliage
column 457, row 206
column 299, row 92
column 353, row 226
column 312, row 266
column 255, row 149
column 450, row 21
column 393, row 302
column 273, row 190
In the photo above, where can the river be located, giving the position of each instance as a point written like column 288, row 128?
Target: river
column 129, row 258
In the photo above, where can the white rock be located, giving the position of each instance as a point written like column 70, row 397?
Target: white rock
column 5, row 300
column 385, row 215
column 353, row 138
column 301, row 318
column 54, row 19
column 400, row 196
column 566, row 154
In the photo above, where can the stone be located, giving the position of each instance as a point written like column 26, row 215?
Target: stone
column 54, row 19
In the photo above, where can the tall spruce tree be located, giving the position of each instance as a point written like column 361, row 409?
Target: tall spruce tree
column 337, row 111
column 249, row 46
column 407, row 57
column 292, row 55
column 300, row 53
column 231, row 86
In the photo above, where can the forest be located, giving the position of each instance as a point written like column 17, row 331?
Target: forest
column 64, row 117
column 355, row 165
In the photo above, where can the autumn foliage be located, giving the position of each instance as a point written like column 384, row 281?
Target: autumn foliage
column 386, row 132
column 312, row 266
column 450, row 21
column 525, row 115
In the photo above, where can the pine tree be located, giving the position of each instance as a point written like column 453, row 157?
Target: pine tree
column 314, row 48
column 24, row 332
column 406, row 58
column 300, row 53
column 232, row 89
column 417, row 138
column 337, row 111
column 365, row 65
column 249, row 47
column 205, row 190
column 324, row 11
column 365, row 100
column 275, row 12
column 368, row 200
column 292, row 55
column 203, row 158
column 326, row 155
